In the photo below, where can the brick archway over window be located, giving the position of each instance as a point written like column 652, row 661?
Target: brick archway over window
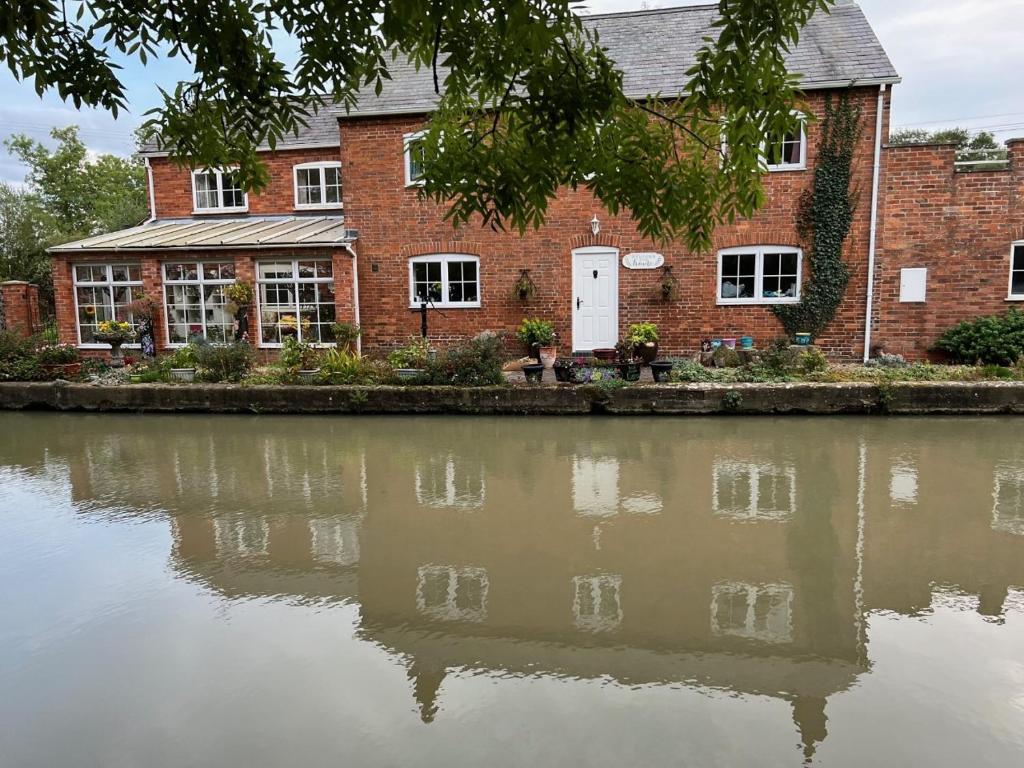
column 426, row 247
column 758, row 236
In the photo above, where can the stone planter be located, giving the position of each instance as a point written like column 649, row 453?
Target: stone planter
column 115, row 340
column 547, row 356
column 183, row 375
column 309, row 376
column 59, row 370
column 408, row 374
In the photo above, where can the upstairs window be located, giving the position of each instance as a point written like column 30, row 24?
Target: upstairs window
column 787, row 152
column 444, row 280
column 1017, row 271
column 216, row 190
column 318, row 185
column 414, row 159
column 767, row 274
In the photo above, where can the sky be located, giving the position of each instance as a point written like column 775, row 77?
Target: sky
column 961, row 63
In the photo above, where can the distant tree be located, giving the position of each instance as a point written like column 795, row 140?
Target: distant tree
column 529, row 100
column 84, row 195
column 980, row 146
column 24, row 229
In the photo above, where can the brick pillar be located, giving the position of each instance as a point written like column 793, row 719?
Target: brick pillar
column 64, row 301
column 1015, row 147
column 153, row 287
column 21, row 307
column 245, row 271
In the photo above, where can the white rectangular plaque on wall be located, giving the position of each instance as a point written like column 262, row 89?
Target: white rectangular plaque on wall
column 913, row 285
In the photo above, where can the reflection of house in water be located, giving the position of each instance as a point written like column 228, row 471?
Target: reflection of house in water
column 737, row 559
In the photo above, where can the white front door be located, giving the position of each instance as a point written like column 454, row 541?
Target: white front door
column 595, row 299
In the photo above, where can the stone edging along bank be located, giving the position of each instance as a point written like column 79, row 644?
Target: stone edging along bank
column 803, row 398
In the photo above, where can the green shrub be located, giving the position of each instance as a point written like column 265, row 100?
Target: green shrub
column 58, row 354
column 643, row 333
column 781, row 357
column 346, row 335
column 183, row 357
column 691, row 371
column 813, row 361
column 995, row 340
column 18, row 358
column 341, row 367
column 224, row 362
column 536, row 331
column 414, row 354
column 726, row 357
column 476, row 363
column 298, row 355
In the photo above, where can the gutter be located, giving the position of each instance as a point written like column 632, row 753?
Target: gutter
column 873, row 239
column 355, row 295
column 152, row 192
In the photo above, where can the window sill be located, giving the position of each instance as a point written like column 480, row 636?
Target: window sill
column 447, row 305
column 755, row 302
column 214, row 211
column 325, row 345
column 1015, row 298
column 106, row 347
column 412, row 184
column 786, row 168
column 323, row 207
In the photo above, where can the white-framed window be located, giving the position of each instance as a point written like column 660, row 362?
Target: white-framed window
column 787, row 152
column 412, row 151
column 215, row 190
column 444, row 280
column 1017, row 271
column 194, row 301
column 296, row 299
column 763, row 274
column 452, row 593
column 444, row 482
column 597, row 602
column 318, row 185
column 753, row 611
column 241, row 536
column 753, row 491
column 103, row 292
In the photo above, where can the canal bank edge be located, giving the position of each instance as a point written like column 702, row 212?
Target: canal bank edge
column 672, row 399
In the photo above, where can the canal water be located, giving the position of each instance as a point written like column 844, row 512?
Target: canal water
column 313, row 591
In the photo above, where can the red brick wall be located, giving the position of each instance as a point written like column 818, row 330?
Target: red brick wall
column 20, row 303
column 152, row 279
column 394, row 225
column 173, row 184
column 959, row 226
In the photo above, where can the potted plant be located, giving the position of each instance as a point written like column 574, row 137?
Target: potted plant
column 115, row 333
column 667, row 285
column 410, row 361
column 534, row 373
column 60, row 359
column 539, row 338
column 605, row 354
column 661, row 370
column 240, row 296
column 564, row 370
column 627, row 363
column 300, row 359
column 644, row 338
column 346, row 335
column 181, row 364
column 524, row 288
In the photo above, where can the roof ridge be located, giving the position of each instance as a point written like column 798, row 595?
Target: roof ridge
column 650, row 11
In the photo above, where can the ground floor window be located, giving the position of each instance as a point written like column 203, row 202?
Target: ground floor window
column 596, row 603
column 1017, row 271
column 753, row 611
column 444, row 280
column 452, row 593
column 195, row 302
column 297, row 300
column 103, row 292
column 759, row 275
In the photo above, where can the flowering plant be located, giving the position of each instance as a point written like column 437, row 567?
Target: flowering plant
column 115, row 326
column 57, row 354
column 240, row 293
column 144, row 307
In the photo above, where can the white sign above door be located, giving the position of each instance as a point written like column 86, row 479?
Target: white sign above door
column 643, row 260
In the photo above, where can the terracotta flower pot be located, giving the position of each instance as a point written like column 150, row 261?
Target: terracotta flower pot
column 607, row 355
column 547, row 356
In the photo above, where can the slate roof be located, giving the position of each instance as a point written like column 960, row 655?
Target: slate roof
column 226, row 232
column 653, row 49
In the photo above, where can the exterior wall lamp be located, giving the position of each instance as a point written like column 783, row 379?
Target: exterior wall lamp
column 595, row 226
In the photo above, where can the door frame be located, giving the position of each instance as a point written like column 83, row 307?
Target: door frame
column 591, row 250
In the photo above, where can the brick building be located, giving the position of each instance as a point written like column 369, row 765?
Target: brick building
column 340, row 234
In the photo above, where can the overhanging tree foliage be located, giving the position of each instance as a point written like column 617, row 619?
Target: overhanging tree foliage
column 529, row 99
